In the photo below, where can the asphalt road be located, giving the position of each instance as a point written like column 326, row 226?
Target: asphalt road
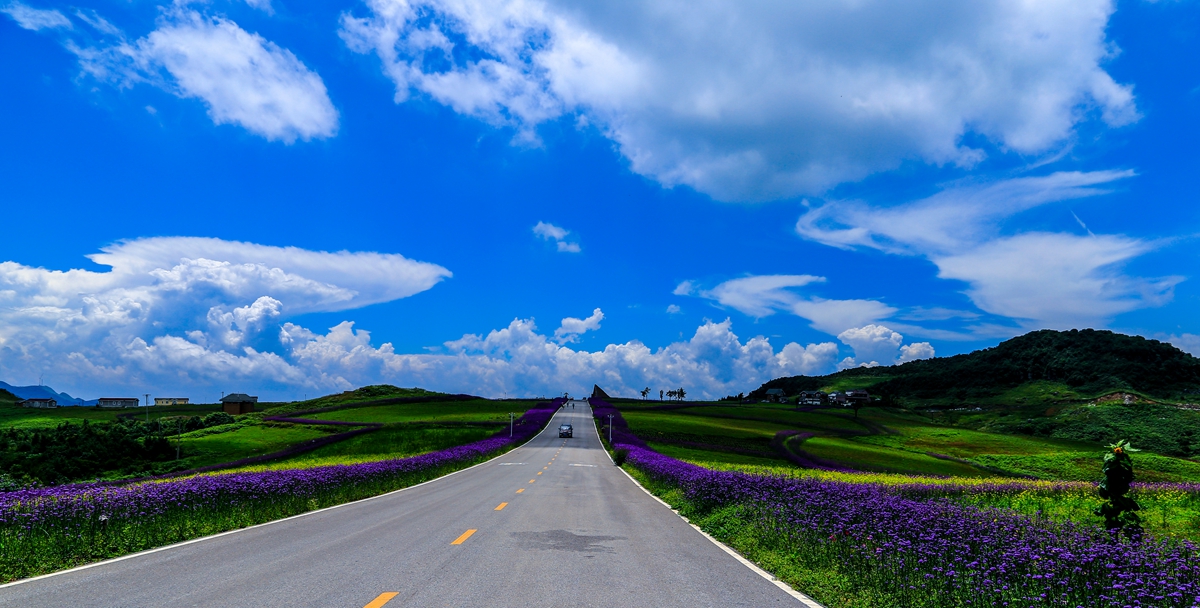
column 552, row 523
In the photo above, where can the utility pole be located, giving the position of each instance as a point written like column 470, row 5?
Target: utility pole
column 147, row 407
column 510, row 424
column 610, row 417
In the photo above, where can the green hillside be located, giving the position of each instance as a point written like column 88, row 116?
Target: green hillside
column 1042, row 366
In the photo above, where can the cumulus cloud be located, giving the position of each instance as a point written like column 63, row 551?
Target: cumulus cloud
column 750, row 101
column 34, row 18
column 550, row 232
column 876, row 345
column 241, row 77
column 673, row 309
column 198, row 299
column 572, row 328
column 1039, row 279
column 518, row 360
column 197, row 316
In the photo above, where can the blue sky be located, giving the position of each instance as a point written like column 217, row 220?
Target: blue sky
column 524, row 198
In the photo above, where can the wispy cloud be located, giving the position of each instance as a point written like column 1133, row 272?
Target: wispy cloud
column 1038, row 279
column 763, row 295
column 550, row 232
column 35, row 19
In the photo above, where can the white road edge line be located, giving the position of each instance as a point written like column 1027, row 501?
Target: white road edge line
column 306, row 513
column 800, row 597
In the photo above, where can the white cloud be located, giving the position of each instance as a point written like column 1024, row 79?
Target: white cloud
column 1039, row 279
column 685, row 288
column 834, row 316
column 199, row 299
column 876, row 345
column 913, row 352
column 262, row 5
column 955, row 219
column 35, row 19
column 572, row 328
column 242, row 78
column 750, row 101
column 1188, row 343
column 759, row 296
column 550, row 232
column 1056, row 280
column 519, row 360
column 673, row 309
column 762, row 295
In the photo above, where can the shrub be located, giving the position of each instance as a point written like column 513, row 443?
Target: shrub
column 619, row 456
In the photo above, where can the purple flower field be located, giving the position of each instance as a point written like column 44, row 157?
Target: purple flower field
column 930, row 551
column 46, row 529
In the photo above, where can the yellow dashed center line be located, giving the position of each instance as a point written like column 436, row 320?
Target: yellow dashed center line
column 464, row 537
column 539, row 472
column 501, row 507
column 532, row 480
column 382, row 599
column 521, row 490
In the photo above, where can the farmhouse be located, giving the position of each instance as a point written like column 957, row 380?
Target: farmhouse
column 812, row 398
column 170, row 401
column 117, row 402
column 776, row 395
column 858, row 397
column 238, row 403
column 39, row 403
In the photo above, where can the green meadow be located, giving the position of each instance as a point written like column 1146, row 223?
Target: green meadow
column 882, row 440
column 407, row 428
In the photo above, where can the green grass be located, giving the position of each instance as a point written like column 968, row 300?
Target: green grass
column 718, row 460
column 245, row 442
column 15, row 416
column 867, row 457
column 480, row 410
column 391, row 442
column 694, row 424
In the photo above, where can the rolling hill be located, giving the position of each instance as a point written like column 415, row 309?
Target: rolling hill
column 1084, row 362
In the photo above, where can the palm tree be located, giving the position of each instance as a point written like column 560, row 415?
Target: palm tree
column 645, row 392
column 680, row 393
column 671, row 394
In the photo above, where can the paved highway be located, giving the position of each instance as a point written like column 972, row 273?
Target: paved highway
column 552, row 523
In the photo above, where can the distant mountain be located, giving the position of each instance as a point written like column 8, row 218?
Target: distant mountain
column 44, row 392
column 1088, row 361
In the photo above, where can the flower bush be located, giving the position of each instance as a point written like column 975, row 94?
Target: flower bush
column 927, row 552
column 46, row 529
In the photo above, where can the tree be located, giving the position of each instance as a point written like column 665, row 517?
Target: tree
column 660, row 394
column 671, row 394
column 680, row 393
column 645, row 392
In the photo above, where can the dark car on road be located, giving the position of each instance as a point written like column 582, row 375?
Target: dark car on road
column 565, row 431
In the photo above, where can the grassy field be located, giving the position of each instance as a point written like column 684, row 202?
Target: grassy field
column 881, row 440
column 476, row 410
column 408, row 428
column 15, row 416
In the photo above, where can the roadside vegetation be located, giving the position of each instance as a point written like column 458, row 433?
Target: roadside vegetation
column 867, row 540
column 43, row 529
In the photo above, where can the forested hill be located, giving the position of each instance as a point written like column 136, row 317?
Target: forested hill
column 1088, row 361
